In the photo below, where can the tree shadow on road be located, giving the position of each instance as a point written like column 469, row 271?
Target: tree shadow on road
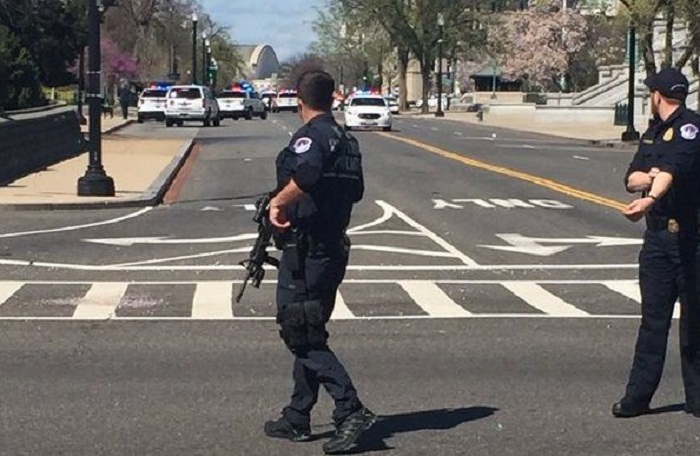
column 388, row 426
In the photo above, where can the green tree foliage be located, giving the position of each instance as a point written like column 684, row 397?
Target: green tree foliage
column 19, row 83
column 47, row 30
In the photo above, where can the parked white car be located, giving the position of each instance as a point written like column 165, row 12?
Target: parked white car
column 368, row 111
column 191, row 103
column 234, row 104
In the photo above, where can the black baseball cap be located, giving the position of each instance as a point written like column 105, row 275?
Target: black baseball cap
column 669, row 82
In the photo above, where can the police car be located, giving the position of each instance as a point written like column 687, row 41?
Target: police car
column 368, row 111
column 241, row 102
column 191, row 103
column 393, row 103
column 151, row 103
column 287, row 101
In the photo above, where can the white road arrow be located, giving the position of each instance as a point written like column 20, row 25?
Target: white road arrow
column 166, row 240
column 533, row 246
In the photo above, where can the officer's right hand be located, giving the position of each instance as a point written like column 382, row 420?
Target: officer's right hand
column 637, row 209
column 640, row 181
column 278, row 217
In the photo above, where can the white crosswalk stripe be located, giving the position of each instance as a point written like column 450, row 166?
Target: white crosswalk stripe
column 409, row 299
column 100, row 302
column 433, row 300
column 543, row 300
column 341, row 310
column 212, row 301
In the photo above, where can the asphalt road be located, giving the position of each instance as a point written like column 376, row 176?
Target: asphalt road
column 490, row 307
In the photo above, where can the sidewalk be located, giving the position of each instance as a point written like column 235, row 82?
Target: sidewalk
column 597, row 133
column 142, row 170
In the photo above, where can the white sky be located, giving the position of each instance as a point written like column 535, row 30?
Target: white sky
column 283, row 24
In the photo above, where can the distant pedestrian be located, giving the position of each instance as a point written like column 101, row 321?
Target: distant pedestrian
column 124, row 95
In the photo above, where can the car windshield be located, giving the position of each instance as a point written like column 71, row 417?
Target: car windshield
column 149, row 93
column 368, row 102
column 231, row 95
column 187, row 93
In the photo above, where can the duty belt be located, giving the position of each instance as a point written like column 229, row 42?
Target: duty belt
column 658, row 223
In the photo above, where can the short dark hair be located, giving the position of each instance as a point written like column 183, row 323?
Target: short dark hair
column 315, row 88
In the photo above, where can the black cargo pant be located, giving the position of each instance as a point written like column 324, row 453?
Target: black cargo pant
column 667, row 271
column 321, row 268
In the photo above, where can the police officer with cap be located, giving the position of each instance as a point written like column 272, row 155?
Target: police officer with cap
column 320, row 178
column 666, row 170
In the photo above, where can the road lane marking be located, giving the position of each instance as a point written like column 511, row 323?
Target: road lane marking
column 7, row 289
column 213, row 301
column 354, row 267
column 80, row 227
column 628, row 288
column 341, row 311
column 631, row 290
column 429, row 234
column 101, row 301
column 541, row 299
column 531, row 178
column 432, row 299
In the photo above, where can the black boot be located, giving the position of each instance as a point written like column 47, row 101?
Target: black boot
column 629, row 409
column 349, row 431
column 283, row 429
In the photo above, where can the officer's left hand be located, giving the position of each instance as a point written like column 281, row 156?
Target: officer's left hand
column 637, row 208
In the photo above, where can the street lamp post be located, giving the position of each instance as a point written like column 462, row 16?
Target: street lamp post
column 208, row 80
column 441, row 25
column 205, row 44
column 81, row 85
column 194, row 48
column 630, row 134
column 95, row 182
column 493, row 81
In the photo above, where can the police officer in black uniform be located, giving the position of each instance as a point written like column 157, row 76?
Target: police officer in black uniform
column 666, row 169
column 319, row 177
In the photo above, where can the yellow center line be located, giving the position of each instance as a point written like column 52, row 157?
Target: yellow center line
column 531, row 178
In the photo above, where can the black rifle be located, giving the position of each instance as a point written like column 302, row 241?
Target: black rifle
column 255, row 271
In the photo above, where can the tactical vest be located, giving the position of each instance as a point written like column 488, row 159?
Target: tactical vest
column 344, row 164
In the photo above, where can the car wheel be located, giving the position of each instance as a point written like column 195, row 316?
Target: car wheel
column 249, row 114
column 180, row 123
column 140, row 119
column 263, row 116
column 386, row 128
column 168, row 123
column 295, row 110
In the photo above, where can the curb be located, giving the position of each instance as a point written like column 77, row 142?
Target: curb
column 607, row 143
column 116, row 128
column 153, row 196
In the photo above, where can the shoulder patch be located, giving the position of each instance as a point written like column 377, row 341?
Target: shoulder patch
column 302, row 145
column 689, row 131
